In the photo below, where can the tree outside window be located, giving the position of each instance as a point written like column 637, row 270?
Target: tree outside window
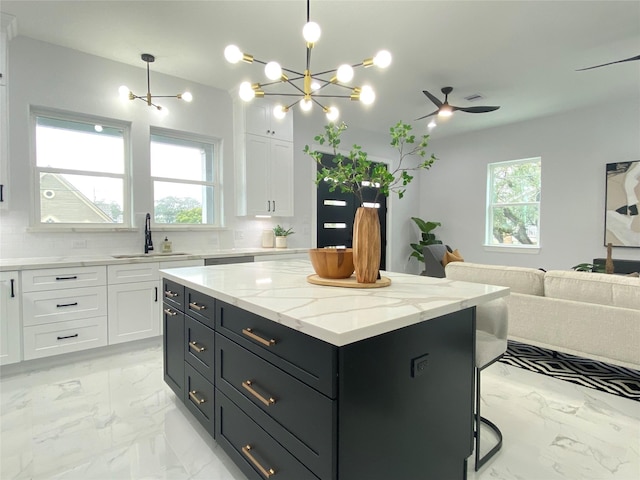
column 513, row 203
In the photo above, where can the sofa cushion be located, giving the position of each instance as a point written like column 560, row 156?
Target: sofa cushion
column 611, row 290
column 520, row 279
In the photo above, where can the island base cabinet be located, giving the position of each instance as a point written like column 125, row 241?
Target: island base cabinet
column 173, row 349
column 406, row 402
column 199, row 398
column 257, row 454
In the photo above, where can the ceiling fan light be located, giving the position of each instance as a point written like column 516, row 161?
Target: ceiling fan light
column 273, row 71
column 445, row 111
column 367, row 95
column 233, row 54
column 311, row 32
column 382, row 59
column 344, row 73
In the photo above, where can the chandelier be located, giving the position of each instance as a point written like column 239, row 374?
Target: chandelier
column 309, row 88
column 128, row 94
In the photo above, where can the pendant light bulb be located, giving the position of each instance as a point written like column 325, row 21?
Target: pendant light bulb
column 123, row 92
column 186, row 96
column 279, row 112
column 233, row 54
column 382, row 59
column 344, row 73
column 246, row 92
column 315, row 86
column 367, row 95
column 273, row 71
column 311, row 32
column 306, row 104
column 332, row 114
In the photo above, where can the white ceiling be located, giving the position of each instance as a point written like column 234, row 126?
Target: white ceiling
column 521, row 55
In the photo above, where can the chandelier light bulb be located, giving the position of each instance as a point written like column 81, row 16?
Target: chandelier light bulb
column 162, row 111
column 246, row 92
column 332, row 114
column 382, row 59
column 273, row 71
column 233, row 54
column 311, row 32
column 279, row 112
column 306, row 104
column 186, row 96
column 315, row 86
column 123, row 91
column 367, row 95
column 344, row 73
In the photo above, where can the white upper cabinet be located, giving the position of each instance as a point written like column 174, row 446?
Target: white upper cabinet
column 259, row 120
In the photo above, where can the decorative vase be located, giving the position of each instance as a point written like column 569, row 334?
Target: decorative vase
column 366, row 244
column 281, row 242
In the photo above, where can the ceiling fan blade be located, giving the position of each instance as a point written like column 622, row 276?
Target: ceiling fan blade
column 433, row 98
column 637, row 57
column 432, row 113
column 476, row 109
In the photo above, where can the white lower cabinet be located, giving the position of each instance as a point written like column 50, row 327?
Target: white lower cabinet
column 134, row 311
column 10, row 343
column 63, row 310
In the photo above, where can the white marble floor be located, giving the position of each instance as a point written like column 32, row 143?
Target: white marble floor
column 112, row 417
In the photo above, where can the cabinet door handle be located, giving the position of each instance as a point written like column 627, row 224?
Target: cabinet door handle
column 249, row 333
column 156, row 294
column 196, row 347
column 268, row 205
column 274, row 206
column 195, row 398
column 266, row 472
column 13, row 292
column 1, row 193
column 197, row 307
column 170, row 312
column 267, row 402
column 61, row 305
column 170, row 294
column 68, row 336
column 74, row 277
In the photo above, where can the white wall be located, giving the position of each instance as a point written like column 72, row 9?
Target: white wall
column 574, row 148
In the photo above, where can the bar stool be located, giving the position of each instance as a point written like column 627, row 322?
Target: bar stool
column 492, row 325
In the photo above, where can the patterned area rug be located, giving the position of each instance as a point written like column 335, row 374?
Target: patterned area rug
column 621, row 381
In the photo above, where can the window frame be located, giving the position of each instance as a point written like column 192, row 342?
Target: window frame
column 216, row 184
column 490, row 206
column 36, row 222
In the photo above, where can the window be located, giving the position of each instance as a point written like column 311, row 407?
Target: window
column 513, row 203
column 185, row 179
column 81, row 171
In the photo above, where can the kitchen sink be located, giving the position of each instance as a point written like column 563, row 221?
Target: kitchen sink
column 147, row 255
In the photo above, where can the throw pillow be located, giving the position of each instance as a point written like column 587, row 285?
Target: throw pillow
column 452, row 257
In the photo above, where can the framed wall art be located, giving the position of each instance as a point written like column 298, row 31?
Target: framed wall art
column 622, row 219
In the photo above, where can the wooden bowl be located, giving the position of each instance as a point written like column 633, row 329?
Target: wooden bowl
column 332, row 262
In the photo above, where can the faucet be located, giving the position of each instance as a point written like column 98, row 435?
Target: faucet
column 148, row 243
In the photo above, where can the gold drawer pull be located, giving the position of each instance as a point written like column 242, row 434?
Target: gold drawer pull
column 263, row 471
column 170, row 294
column 195, row 398
column 197, row 307
column 170, row 312
column 249, row 333
column 249, row 386
column 196, row 347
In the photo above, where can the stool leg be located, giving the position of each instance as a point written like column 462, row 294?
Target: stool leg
column 480, row 461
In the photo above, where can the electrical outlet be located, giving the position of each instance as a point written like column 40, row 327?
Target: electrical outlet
column 79, row 244
column 419, row 365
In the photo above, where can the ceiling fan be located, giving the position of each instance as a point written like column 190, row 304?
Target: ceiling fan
column 444, row 109
column 637, row 57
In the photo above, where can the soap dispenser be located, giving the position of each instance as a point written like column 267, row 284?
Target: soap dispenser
column 166, row 245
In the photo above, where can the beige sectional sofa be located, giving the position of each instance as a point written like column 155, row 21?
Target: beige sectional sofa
column 591, row 315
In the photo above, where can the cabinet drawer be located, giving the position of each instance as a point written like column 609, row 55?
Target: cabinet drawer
column 199, row 398
column 253, row 450
column 62, row 305
column 200, row 306
column 132, row 272
column 64, row 337
column 309, row 359
column 59, row 278
column 173, row 343
column 308, row 417
column 199, row 347
column 173, row 294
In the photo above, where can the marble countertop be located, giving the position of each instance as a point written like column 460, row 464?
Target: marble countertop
column 32, row 263
column 280, row 292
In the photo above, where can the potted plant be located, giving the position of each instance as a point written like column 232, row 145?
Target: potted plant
column 354, row 173
column 427, row 238
column 281, row 236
